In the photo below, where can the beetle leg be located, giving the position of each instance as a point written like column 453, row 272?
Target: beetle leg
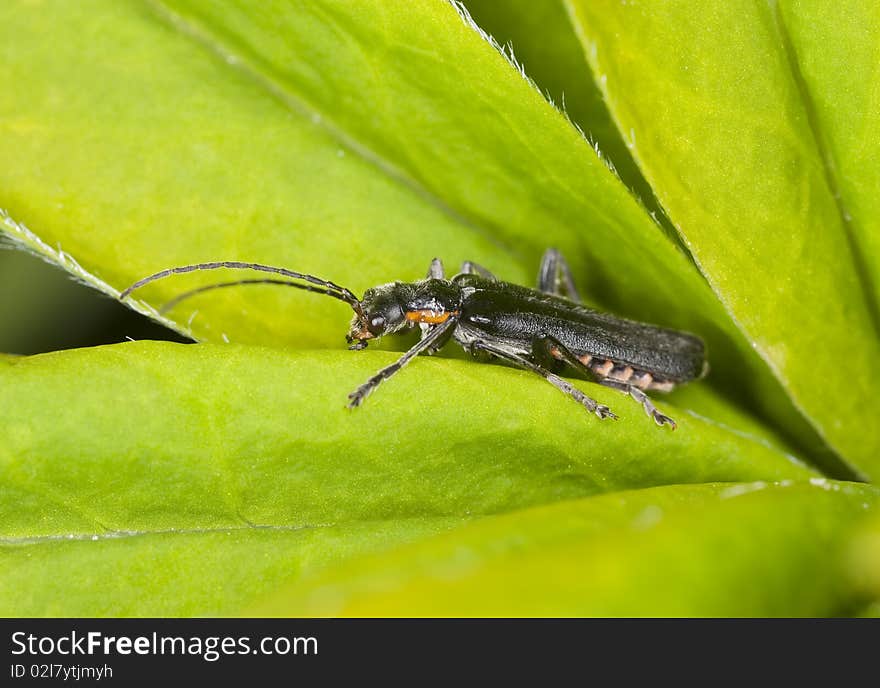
column 545, row 344
column 551, row 350
column 564, row 386
column 433, row 338
column 469, row 267
column 642, row 398
column 427, row 329
column 435, row 270
column 554, row 276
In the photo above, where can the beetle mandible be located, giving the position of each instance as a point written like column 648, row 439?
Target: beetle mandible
column 542, row 330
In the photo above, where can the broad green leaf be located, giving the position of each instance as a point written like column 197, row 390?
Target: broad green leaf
column 836, row 47
column 136, row 149
column 723, row 131
column 193, row 479
column 872, row 611
column 541, row 37
column 864, row 564
column 351, row 140
column 199, row 572
column 158, row 436
column 706, row 550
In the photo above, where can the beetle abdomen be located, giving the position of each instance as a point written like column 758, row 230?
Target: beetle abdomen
column 622, row 372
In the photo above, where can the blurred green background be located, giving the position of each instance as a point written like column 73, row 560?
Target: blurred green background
column 42, row 309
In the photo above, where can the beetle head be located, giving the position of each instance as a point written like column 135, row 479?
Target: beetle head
column 382, row 311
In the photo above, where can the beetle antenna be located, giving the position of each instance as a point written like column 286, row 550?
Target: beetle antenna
column 330, row 288
column 167, row 306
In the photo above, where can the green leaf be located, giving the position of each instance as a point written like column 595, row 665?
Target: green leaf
column 724, row 132
column 204, row 436
column 351, row 140
column 20, row 320
column 708, row 550
column 541, row 37
column 191, row 456
column 356, row 141
column 864, row 563
column 836, row 47
column 202, row 572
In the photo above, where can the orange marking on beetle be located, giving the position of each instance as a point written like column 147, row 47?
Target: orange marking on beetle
column 429, row 316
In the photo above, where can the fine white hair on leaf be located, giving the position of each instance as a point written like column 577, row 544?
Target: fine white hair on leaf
column 19, row 236
column 506, row 51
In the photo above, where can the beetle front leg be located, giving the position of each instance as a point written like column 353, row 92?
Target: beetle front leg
column 554, row 276
column 438, row 344
column 564, row 386
column 436, row 337
column 637, row 394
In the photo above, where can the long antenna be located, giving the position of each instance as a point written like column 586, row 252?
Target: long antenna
column 168, row 305
column 331, row 288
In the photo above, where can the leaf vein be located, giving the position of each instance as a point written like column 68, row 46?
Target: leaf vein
column 124, row 534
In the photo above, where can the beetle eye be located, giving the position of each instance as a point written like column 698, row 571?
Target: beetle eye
column 377, row 324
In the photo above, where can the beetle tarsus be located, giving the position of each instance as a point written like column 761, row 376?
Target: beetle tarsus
column 650, row 410
column 357, row 397
column 600, row 410
column 662, row 420
column 604, row 412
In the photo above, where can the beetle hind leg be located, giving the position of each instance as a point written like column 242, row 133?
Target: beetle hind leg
column 547, row 348
column 564, row 386
column 660, row 418
column 549, row 351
